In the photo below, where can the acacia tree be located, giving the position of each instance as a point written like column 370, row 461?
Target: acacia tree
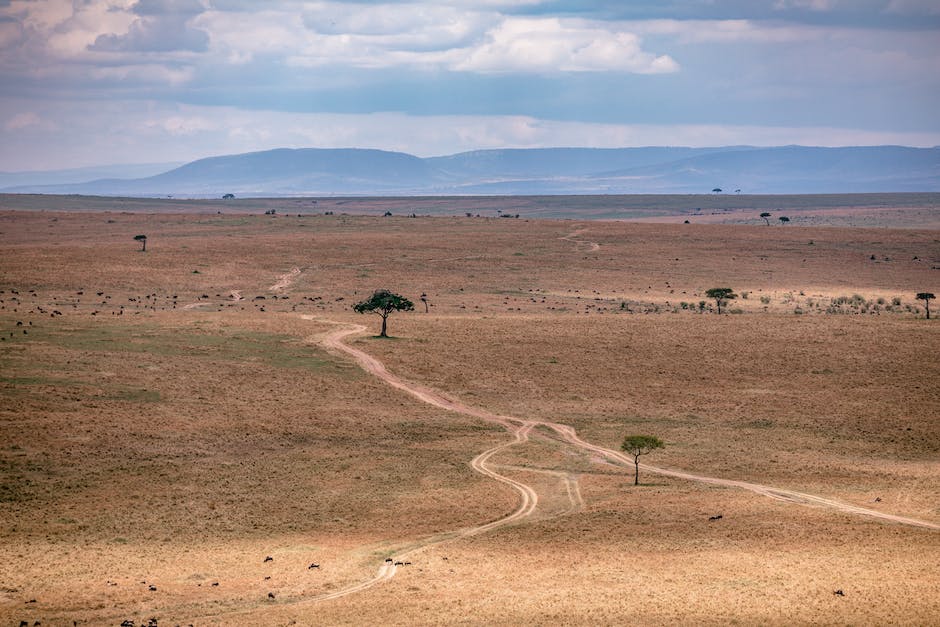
column 721, row 295
column 143, row 242
column 765, row 215
column 383, row 303
column 637, row 445
column 926, row 297
column 784, row 219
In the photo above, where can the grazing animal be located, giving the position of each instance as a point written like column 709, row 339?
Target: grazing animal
column 269, row 559
column 270, row 595
column 215, row 583
column 718, row 517
column 313, row 565
column 399, row 563
column 266, row 578
column 839, row 593
column 877, row 499
column 153, row 588
column 388, row 559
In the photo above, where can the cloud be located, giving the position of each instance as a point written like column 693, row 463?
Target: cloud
column 163, row 26
column 812, row 5
column 553, row 45
column 22, row 120
column 443, row 37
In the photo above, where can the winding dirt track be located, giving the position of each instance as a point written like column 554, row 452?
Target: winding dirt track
column 582, row 245
column 569, row 435
column 521, row 430
column 284, row 281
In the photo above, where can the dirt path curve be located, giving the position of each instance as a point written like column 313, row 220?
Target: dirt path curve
column 581, row 244
column 284, row 281
column 529, row 499
column 568, row 434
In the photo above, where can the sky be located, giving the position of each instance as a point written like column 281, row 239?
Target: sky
column 95, row 82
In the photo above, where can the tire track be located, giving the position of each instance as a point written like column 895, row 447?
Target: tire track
column 521, row 430
column 284, row 281
column 580, row 244
column 568, row 434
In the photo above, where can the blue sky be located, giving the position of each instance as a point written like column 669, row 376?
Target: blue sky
column 91, row 82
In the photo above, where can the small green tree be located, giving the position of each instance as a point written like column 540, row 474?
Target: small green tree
column 383, row 303
column 766, row 215
column 143, row 242
column 637, row 445
column 926, row 297
column 721, row 295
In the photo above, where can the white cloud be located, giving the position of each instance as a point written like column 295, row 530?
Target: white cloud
column 553, row 44
column 462, row 36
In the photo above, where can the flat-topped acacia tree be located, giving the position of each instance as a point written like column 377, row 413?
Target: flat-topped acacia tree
column 383, row 303
column 926, row 297
column 143, row 242
column 637, row 445
column 721, row 295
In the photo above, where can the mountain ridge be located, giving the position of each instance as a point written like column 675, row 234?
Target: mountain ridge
column 651, row 169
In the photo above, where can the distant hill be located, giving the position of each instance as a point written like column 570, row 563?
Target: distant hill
column 82, row 175
column 656, row 170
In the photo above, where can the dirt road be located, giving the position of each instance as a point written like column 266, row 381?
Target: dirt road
column 569, row 435
column 521, row 429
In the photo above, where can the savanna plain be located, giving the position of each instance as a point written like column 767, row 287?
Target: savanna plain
column 203, row 432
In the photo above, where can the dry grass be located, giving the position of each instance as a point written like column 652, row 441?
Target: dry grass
column 182, row 441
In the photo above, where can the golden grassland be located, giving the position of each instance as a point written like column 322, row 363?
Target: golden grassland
column 163, row 426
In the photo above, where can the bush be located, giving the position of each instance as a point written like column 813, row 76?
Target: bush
column 765, row 300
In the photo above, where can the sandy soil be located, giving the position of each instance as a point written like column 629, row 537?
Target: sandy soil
column 147, row 444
